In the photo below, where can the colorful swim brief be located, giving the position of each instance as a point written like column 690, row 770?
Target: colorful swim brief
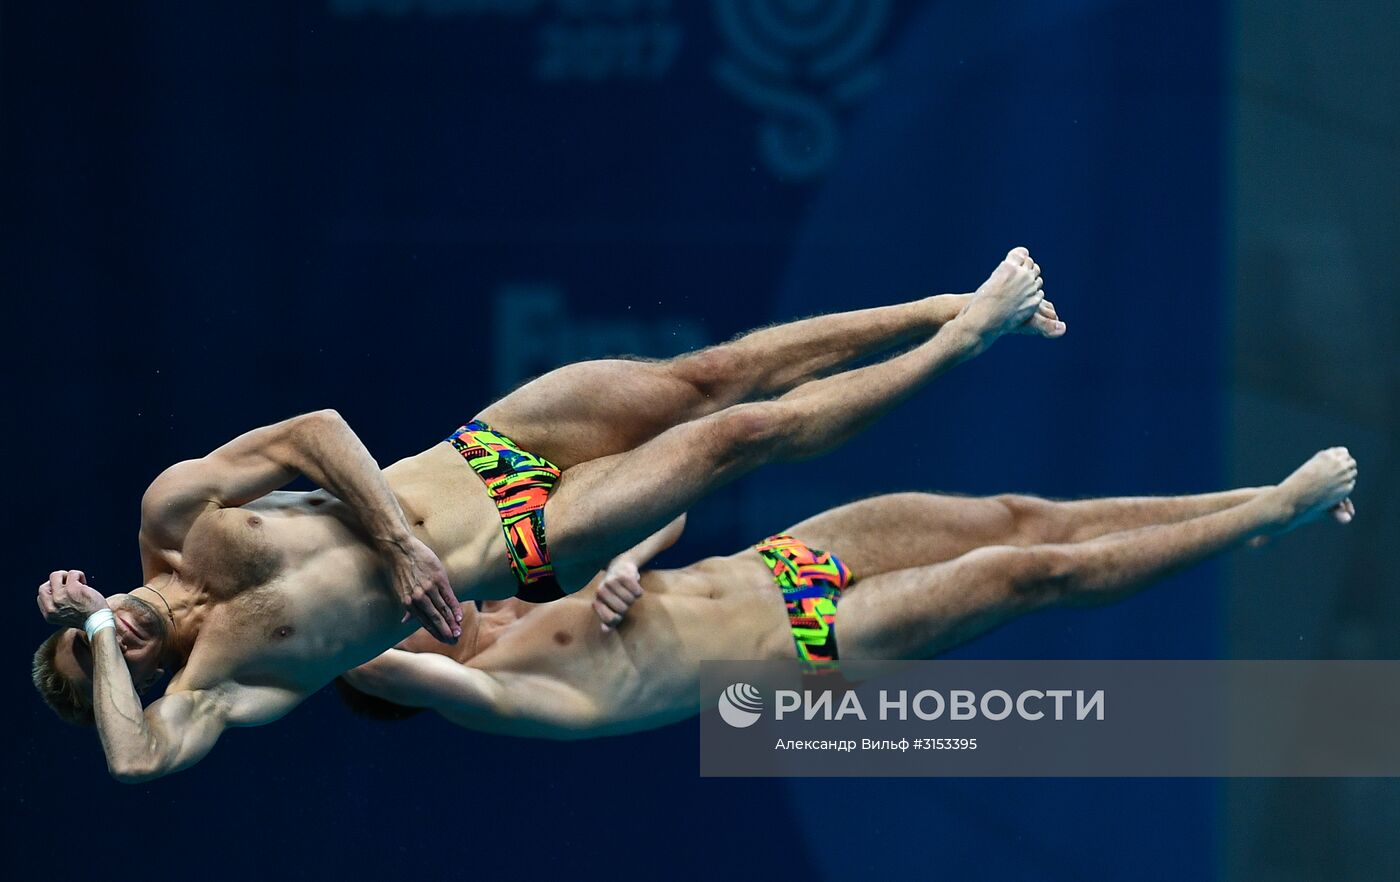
column 519, row 483
column 811, row 582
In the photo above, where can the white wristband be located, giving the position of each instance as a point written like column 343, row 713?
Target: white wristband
column 99, row 621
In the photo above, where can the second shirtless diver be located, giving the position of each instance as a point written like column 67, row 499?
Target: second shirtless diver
column 901, row 576
column 254, row 598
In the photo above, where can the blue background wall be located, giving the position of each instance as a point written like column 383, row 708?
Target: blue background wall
column 217, row 215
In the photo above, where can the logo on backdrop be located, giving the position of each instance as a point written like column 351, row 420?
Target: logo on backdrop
column 740, row 705
column 797, row 64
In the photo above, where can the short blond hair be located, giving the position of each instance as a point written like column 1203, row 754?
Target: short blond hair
column 58, row 692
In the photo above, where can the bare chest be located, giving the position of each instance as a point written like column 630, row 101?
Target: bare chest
column 230, row 551
column 297, row 596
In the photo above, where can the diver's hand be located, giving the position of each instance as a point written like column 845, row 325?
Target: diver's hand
column 67, row 600
column 619, row 589
column 420, row 580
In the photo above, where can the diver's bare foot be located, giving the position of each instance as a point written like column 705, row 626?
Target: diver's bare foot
column 1320, row 485
column 1010, row 299
column 1045, row 323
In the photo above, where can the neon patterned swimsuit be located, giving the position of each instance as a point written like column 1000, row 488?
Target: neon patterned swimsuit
column 811, row 582
column 519, row 483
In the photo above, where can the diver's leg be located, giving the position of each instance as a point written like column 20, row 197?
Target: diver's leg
column 924, row 611
column 592, row 409
column 606, row 506
column 1076, row 520
column 896, row 531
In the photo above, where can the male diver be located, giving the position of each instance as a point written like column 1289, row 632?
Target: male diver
column 917, row 574
column 255, row 599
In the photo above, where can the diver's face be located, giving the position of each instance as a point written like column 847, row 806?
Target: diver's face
column 141, row 633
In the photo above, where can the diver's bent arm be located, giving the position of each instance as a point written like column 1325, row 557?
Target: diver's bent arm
column 319, row 445
column 324, row 448
column 145, row 743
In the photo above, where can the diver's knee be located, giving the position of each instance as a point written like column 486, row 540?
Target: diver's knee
column 1030, row 519
column 753, row 430
column 712, row 372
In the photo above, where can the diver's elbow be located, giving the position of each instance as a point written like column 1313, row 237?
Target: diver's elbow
column 132, row 771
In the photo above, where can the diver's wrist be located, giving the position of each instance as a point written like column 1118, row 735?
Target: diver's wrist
column 99, row 620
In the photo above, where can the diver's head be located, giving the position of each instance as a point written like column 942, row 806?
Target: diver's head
column 63, row 664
